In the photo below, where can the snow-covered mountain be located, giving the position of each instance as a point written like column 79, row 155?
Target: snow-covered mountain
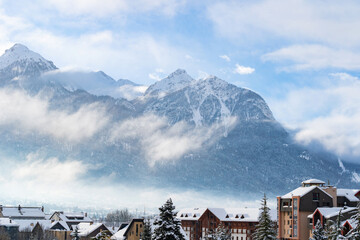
column 97, row 83
column 185, row 133
column 20, row 61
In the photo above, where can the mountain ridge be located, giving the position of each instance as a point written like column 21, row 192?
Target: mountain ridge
column 225, row 137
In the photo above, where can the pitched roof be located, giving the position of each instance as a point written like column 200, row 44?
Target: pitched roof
column 329, row 212
column 302, row 191
column 31, row 223
column 190, row 213
column 23, row 212
column 73, row 217
column 119, row 235
column 223, row 214
column 348, row 193
column 132, row 222
column 7, row 222
column 85, row 229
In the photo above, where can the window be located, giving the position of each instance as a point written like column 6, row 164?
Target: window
column 316, row 196
column 285, row 204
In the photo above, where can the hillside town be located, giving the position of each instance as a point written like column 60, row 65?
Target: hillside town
column 314, row 210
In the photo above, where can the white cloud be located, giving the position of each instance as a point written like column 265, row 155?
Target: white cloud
column 162, row 143
column 154, row 76
column 314, row 57
column 225, row 57
column 243, row 70
column 104, row 8
column 328, row 114
column 334, row 22
column 69, row 183
column 32, row 114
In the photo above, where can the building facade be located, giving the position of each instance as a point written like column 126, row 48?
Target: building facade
column 198, row 222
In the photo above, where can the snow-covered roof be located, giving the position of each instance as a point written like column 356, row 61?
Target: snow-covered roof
column 353, row 222
column 31, row 223
column 76, row 217
column 302, row 191
column 329, row 212
column 23, row 212
column 7, row 222
column 85, row 229
column 190, row 213
column 348, row 193
column 224, row 214
column 313, row 181
column 119, row 235
column 236, row 214
column 62, row 223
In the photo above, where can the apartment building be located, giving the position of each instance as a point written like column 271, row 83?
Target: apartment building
column 197, row 222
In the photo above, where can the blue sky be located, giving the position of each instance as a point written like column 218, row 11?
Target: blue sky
column 303, row 57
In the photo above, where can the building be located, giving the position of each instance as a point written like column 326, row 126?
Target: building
column 295, row 207
column 328, row 216
column 87, row 231
column 348, row 197
column 197, row 222
column 10, row 227
column 71, row 219
column 134, row 229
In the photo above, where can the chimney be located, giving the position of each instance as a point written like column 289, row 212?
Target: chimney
column 10, row 220
column 19, row 207
column 42, row 208
column 85, row 214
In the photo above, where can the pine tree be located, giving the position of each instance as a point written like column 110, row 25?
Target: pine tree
column 146, row 234
column 75, row 234
column 335, row 229
column 318, row 232
column 222, row 233
column 265, row 228
column 103, row 235
column 167, row 226
column 355, row 232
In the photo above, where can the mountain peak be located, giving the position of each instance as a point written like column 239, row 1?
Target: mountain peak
column 175, row 81
column 23, row 58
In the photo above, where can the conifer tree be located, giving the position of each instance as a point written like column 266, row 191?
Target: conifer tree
column 222, row 233
column 167, row 226
column 75, row 234
column 265, row 229
column 355, row 232
column 335, row 229
column 146, row 234
column 318, row 232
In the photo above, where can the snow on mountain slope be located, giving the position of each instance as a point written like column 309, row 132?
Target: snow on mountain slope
column 175, row 81
column 19, row 60
column 97, row 83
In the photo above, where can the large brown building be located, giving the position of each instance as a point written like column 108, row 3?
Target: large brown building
column 297, row 205
column 197, row 222
column 296, row 208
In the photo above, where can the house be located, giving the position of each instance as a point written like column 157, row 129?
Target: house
column 328, row 216
column 71, row 219
column 197, row 222
column 134, row 229
column 295, row 207
column 86, row 231
column 348, row 197
column 10, row 227
column 119, row 235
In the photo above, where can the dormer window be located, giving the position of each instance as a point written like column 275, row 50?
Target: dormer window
column 194, row 215
column 242, row 216
column 182, row 215
column 186, row 215
column 237, row 216
column 227, row 216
